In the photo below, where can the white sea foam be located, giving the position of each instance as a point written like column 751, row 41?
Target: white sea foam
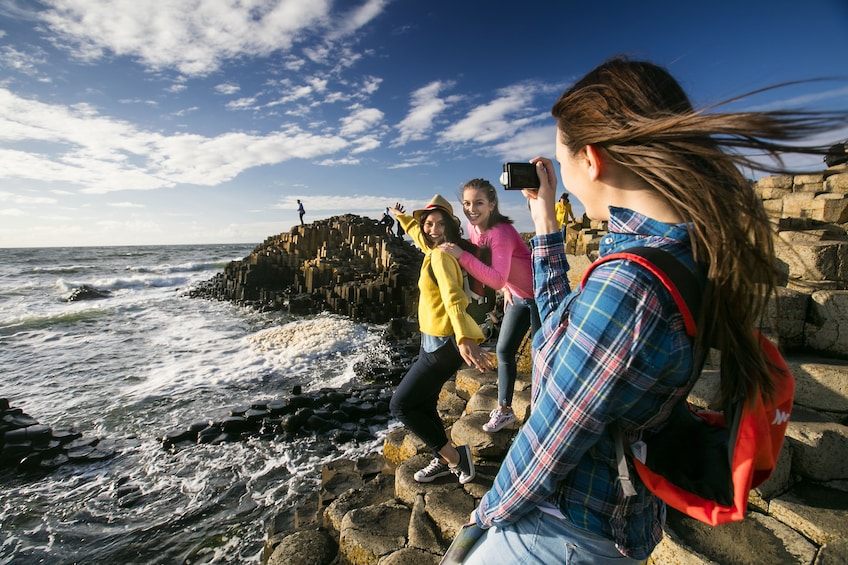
column 319, row 342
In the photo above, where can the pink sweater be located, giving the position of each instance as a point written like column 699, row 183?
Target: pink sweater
column 511, row 267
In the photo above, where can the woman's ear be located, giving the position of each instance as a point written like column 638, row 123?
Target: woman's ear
column 594, row 161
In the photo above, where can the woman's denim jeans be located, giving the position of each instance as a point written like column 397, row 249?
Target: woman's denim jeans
column 415, row 398
column 541, row 539
column 519, row 316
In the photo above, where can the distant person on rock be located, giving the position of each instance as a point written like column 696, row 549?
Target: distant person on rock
column 563, row 211
column 300, row 211
column 509, row 271
column 449, row 338
column 387, row 221
column 615, row 353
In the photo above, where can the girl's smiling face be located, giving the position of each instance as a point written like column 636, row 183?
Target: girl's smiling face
column 434, row 228
column 477, row 207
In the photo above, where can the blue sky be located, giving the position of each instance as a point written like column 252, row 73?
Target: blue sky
column 129, row 122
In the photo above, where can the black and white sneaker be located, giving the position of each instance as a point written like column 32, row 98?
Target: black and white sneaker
column 437, row 468
column 465, row 469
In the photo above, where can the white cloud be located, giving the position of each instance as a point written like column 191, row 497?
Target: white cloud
column 365, row 144
column 227, row 88
column 103, row 155
column 426, row 106
column 338, row 162
column 416, row 160
column 292, row 95
column 360, row 120
column 370, row 85
column 358, row 17
column 25, row 200
column 241, row 104
column 492, row 121
column 25, row 63
column 125, row 205
column 529, row 143
column 192, row 37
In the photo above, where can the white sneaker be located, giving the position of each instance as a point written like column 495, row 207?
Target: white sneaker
column 498, row 419
column 437, row 468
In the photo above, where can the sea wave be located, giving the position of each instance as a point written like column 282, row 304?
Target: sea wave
column 58, row 269
column 26, row 322
column 190, row 267
column 134, row 282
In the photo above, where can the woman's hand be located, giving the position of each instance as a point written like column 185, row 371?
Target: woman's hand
column 542, row 201
column 452, row 249
column 507, row 297
column 475, row 356
column 398, row 209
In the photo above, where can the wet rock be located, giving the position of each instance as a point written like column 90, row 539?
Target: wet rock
column 27, row 445
column 86, row 292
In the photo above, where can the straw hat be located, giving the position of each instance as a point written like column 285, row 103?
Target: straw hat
column 437, row 203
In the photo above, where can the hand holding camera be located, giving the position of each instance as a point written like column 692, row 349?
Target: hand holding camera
column 524, row 177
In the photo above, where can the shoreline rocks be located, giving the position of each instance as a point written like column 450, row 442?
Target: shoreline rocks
column 29, row 446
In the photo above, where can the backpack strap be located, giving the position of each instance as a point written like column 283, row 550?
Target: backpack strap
column 686, row 292
column 680, row 281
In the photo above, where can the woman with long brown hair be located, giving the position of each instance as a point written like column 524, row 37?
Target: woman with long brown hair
column 633, row 150
column 508, row 270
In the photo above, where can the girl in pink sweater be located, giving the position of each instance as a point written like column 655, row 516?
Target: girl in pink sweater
column 511, row 272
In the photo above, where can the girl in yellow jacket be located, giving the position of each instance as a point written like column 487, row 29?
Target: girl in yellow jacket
column 449, row 338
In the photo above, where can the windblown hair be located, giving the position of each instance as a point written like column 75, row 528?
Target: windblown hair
column 496, row 217
column 453, row 229
column 640, row 117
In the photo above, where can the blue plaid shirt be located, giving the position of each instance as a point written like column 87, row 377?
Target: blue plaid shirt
column 615, row 351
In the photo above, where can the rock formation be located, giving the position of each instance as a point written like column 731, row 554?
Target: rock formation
column 345, row 264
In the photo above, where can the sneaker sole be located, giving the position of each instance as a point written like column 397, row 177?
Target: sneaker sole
column 499, row 428
column 430, row 478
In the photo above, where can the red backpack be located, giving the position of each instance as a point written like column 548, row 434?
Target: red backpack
column 704, row 463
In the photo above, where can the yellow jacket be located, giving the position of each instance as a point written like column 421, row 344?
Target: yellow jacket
column 563, row 213
column 441, row 307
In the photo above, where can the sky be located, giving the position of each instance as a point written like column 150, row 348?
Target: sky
column 127, row 122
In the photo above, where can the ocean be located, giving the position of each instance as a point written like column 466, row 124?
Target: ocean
column 136, row 364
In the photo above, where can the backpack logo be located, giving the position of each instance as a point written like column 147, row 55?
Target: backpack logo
column 780, row 418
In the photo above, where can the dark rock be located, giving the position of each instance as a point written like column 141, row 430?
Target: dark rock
column 86, row 292
column 66, row 435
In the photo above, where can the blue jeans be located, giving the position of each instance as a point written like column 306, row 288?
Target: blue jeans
column 540, row 539
column 416, row 397
column 519, row 316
